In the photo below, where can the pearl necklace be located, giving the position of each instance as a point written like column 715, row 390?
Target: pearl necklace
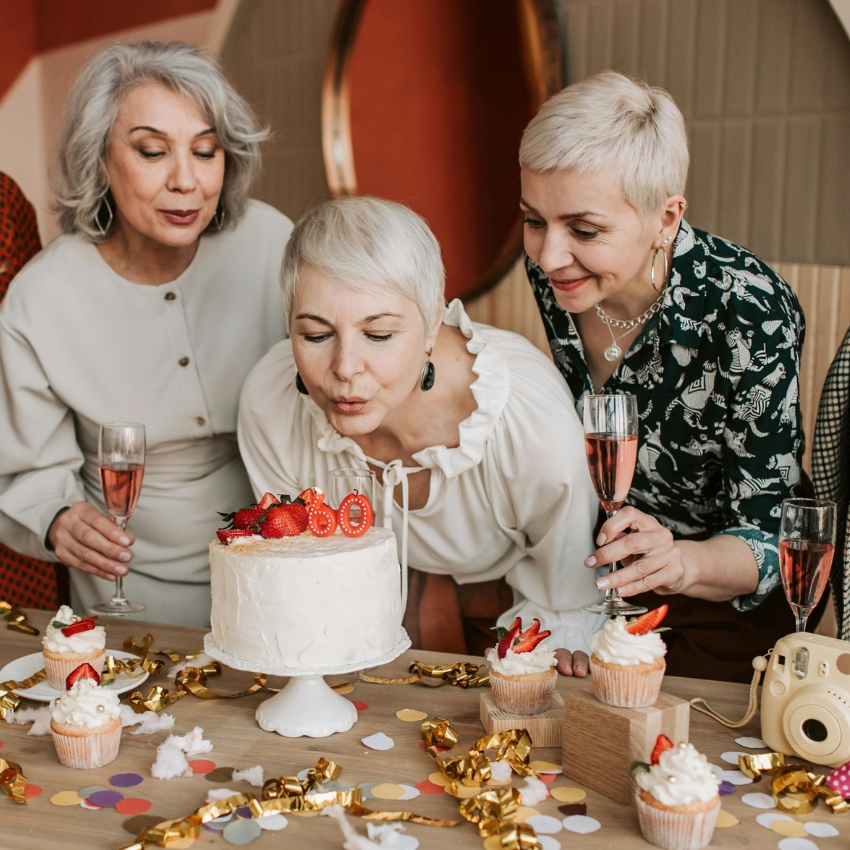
column 614, row 352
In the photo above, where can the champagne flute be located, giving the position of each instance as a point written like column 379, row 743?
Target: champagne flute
column 610, row 440
column 806, row 547
column 345, row 481
column 121, row 455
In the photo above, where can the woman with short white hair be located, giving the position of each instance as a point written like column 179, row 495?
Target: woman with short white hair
column 152, row 307
column 470, row 430
column 703, row 332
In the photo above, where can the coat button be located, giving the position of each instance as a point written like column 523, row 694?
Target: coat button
column 170, row 296
column 183, row 361
column 200, row 421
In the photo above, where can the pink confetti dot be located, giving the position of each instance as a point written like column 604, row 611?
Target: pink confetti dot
column 132, row 806
column 429, row 787
column 202, row 766
column 31, row 791
column 360, row 706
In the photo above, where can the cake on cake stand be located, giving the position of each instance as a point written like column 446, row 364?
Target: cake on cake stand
column 307, row 706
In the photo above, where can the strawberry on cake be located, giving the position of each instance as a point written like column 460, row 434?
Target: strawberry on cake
column 70, row 641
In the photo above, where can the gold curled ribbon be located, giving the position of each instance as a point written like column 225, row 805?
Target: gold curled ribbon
column 10, row 700
column 462, row 674
column 795, row 788
column 438, row 732
column 132, row 668
column 16, row 619
column 494, row 813
column 148, row 648
column 13, row 781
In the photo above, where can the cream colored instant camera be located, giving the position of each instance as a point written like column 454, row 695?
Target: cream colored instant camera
column 805, row 702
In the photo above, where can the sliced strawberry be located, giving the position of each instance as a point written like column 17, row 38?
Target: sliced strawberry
column 321, row 519
column 228, row 534
column 84, row 671
column 267, row 501
column 311, row 495
column 647, row 622
column 526, row 642
column 284, row 520
column 662, row 743
column 507, row 638
column 80, row 626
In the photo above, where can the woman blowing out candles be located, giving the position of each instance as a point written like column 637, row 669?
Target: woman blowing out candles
column 470, row 430
column 706, row 336
column 152, row 307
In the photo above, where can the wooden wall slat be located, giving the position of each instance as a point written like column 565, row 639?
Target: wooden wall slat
column 741, row 55
column 682, row 39
column 735, row 171
column 710, row 59
column 802, row 170
column 773, row 62
column 768, row 184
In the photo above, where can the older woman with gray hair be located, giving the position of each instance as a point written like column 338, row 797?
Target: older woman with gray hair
column 152, row 307
column 706, row 336
column 471, row 432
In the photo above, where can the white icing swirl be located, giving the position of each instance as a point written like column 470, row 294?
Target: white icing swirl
column 681, row 776
column 86, row 704
column 614, row 645
column 538, row 660
column 80, row 643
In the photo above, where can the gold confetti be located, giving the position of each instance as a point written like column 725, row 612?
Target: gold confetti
column 788, row 828
column 726, row 819
column 387, row 791
column 493, row 842
column 568, row 795
column 409, row 715
column 439, row 779
column 463, row 792
column 178, row 843
column 496, row 784
column 66, row 798
column 545, row 767
column 470, row 783
column 523, row 813
column 343, row 687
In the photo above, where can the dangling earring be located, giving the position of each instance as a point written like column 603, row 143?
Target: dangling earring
column 652, row 267
column 218, row 218
column 103, row 229
column 299, row 385
column 429, row 374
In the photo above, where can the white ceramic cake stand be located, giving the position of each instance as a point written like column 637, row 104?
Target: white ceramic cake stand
column 307, row 706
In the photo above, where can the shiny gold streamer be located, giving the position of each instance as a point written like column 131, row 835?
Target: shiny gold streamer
column 148, row 648
column 795, row 788
column 462, row 674
column 13, row 781
column 131, row 668
column 10, row 700
column 437, row 732
column 16, row 619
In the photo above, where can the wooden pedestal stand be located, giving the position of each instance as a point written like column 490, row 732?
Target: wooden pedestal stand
column 601, row 741
column 544, row 729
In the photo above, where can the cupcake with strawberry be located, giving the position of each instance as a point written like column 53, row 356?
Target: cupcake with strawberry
column 70, row 641
column 86, row 721
column 627, row 660
column 677, row 798
column 522, row 669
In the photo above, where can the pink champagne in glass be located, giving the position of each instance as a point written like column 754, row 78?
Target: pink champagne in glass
column 610, row 440
column 121, row 483
column 806, row 547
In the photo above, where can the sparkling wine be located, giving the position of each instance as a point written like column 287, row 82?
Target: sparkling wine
column 611, row 459
column 122, row 483
column 805, row 567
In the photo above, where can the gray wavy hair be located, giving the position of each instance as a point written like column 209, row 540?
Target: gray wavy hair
column 80, row 180
column 367, row 243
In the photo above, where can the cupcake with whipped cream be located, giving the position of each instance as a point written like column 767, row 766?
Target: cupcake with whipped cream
column 86, row 724
column 522, row 669
column 70, row 641
column 677, row 798
column 627, row 660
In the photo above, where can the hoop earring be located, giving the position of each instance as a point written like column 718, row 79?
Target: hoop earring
column 429, row 374
column 299, row 385
column 652, row 270
column 102, row 229
column 218, row 218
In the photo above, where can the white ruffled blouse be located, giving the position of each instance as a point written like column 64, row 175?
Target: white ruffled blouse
column 513, row 499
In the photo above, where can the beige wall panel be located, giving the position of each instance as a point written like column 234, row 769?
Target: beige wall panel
column 653, row 41
column 710, row 59
column 832, row 244
column 735, row 179
column 773, row 62
column 767, row 188
column 704, row 182
column 802, row 171
column 575, row 23
column 600, row 40
column 739, row 82
column 627, row 24
column 808, row 58
column 837, row 94
column 681, row 40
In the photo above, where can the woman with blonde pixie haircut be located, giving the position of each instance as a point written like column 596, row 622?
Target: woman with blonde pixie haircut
column 706, row 336
column 471, row 432
column 152, row 307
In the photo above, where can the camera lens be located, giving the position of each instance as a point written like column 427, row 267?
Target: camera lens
column 814, row 730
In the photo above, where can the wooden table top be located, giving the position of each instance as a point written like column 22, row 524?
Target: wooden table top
column 240, row 743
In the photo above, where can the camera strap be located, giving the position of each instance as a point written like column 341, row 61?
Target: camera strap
column 699, row 704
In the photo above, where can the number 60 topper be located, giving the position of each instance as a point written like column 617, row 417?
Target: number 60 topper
column 322, row 520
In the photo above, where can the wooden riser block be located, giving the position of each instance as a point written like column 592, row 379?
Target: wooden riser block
column 544, row 729
column 601, row 741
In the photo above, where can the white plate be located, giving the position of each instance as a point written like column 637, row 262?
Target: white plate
column 24, row 667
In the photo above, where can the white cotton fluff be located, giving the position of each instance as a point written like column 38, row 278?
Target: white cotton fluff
column 353, row 839
column 219, row 794
column 251, row 775
column 533, row 791
column 384, row 833
column 149, row 722
column 500, row 770
column 170, row 762
column 201, row 661
column 39, row 717
column 192, row 743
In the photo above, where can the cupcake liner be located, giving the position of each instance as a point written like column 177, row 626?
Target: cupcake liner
column 89, row 748
column 58, row 670
column 521, row 696
column 676, row 830
column 626, row 687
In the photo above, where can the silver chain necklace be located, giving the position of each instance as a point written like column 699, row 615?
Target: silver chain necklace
column 614, row 352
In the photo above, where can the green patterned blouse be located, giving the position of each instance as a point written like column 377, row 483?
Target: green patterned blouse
column 716, row 375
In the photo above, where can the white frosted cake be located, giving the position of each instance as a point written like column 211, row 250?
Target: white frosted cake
column 306, row 602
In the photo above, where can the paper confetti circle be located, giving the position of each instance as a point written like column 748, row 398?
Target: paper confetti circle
column 344, row 689
column 360, row 706
column 788, row 828
column 438, row 778
column 132, row 806
column 125, row 780
column 31, row 791
column 85, row 793
column 136, row 824
column 768, row 818
column 85, row 804
column 545, row 767
column 241, row 831
column 523, row 813
column 734, row 777
column 544, row 824
column 66, row 798
column 732, row 757
column 273, row 822
column 220, row 774
column 387, row 791
column 581, row 824
column 471, row 783
column 759, row 801
column 405, row 842
column 426, row 786
column 464, row 792
column 410, row 792
column 725, row 788
column 797, row 844
column 751, row 743
column 201, row 767
column 546, row 842
column 106, row 799
column 820, row 830
column 725, row 820
column 568, row 795
column 378, row 741
column 496, row 784
column 410, row 715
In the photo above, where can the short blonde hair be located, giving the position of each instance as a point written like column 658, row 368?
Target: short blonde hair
column 367, row 243
column 611, row 122
column 80, row 180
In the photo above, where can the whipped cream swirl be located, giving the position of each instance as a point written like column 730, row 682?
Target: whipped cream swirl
column 614, row 645
column 86, row 704
column 681, row 776
column 538, row 660
column 80, row 643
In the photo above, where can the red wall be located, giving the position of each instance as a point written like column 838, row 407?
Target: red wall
column 438, row 103
column 18, row 39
